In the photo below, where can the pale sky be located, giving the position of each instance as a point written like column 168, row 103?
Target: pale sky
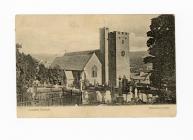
column 55, row 34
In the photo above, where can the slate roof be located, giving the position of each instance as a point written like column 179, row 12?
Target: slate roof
column 74, row 60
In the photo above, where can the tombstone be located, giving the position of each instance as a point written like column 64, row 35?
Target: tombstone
column 129, row 96
column 85, row 97
column 56, row 86
column 136, row 94
column 120, row 99
column 144, row 97
column 99, row 97
column 45, row 84
column 130, row 92
column 125, row 97
column 107, row 97
column 120, row 86
column 150, row 95
column 150, row 98
column 124, row 84
column 154, row 98
column 141, row 96
column 81, row 84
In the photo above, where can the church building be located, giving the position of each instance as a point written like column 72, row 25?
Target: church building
column 103, row 66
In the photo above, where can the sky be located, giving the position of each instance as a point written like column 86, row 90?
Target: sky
column 57, row 34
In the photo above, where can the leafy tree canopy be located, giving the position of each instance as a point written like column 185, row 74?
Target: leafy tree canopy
column 161, row 47
column 29, row 69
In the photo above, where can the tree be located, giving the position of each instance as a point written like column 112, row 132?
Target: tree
column 28, row 69
column 42, row 74
column 25, row 72
column 161, row 47
column 56, row 75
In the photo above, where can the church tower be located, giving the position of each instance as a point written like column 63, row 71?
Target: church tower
column 119, row 64
column 114, row 55
column 104, row 52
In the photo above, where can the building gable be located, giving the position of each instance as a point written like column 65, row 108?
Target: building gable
column 94, row 64
column 73, row 61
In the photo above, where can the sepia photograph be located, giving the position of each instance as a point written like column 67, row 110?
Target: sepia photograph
column 120, row 65
column 96, row 70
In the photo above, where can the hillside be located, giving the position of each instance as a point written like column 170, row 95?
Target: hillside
column 46, row 59
column 136, row 58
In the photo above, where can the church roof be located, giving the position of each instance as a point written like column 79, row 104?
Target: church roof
column 74, row 60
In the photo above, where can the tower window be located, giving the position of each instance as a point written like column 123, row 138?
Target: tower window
column 122, row 41
column 123, row 53
column 94, row 71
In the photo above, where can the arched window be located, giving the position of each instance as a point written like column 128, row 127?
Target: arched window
column 94, row 71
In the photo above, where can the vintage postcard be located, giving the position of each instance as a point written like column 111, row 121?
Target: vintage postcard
column 95, row 65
